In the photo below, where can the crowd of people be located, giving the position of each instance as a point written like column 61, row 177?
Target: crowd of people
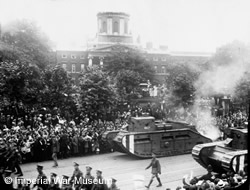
column 50, row 136
column 78, row 181
column 214, row 181
column 46, row 136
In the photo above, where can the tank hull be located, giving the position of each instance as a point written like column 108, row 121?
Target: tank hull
column 108, row 138
column 163, row 142
column 224, row 156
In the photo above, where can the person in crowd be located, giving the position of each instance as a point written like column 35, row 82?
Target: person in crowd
column 77, row 177
column 156, row 170
column 55, row 149
column 99, row 182
column 88, row 179
column 41, row 180
column 113, row 185
column 53, row 185
column 66, row 184
column 209, row 176
column 8, row 185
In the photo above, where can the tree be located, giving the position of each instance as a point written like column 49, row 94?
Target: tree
column 58, row 88
column 180, row 84
column 23, row 40
column 19, row 82
column 127, row 83
column 127, row 69
column 96, row 94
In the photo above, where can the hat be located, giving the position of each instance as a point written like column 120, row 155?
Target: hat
column 99, row 171
column 8, row 171
column 65, row 177
column 221, row 183
column 53, row 174
column 39, row 167
column 209, row 168
column 114, row 180
column 88, row 168
column 76, row 164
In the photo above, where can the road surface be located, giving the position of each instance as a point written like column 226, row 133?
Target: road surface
column 129, row 171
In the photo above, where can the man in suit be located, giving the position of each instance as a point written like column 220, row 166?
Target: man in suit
column 156, row 170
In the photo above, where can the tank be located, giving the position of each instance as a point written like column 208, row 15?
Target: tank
column 144, row 135
column 108, row 137
column 227, row 155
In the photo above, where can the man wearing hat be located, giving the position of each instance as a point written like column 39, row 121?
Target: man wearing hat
column 53, row 185
column 99, row 182
column 66, row 185
column 156, row 169
column 41, row 180
column 209, row 176
column 113, row 185
column 77, row 177
column 88, row 179
column 8, row 186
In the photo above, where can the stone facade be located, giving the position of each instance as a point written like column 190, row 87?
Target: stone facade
column 113, row 34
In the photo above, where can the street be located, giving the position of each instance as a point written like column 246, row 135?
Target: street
column 130, row 172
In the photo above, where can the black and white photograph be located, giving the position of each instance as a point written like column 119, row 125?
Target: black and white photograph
column 124, row 94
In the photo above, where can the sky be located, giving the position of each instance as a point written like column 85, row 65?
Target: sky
column 182, row 25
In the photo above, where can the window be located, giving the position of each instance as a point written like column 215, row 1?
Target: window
column 82, row 57
column 82, row 67
column 73, row 68
column 64, row 66
column 126, row 27
column 163, row 69
column 104, row 26
column 155, row 58
column 64, row 56
column 163, row 58
column 73, row 56
column 115, row 27
column 156, row 68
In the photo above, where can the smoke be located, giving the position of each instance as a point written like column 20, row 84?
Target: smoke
column 225, row 71
column 204, row 121
column 220, row 79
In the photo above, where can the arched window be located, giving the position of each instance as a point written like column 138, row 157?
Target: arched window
column 115, row 30
column 104, row 26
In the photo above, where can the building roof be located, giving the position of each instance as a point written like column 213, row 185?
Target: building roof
column 185, row 53
column 113, row 14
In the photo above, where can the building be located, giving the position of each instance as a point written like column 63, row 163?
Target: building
column 113, row 34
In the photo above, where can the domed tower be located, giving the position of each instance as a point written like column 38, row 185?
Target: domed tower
column 113, row 28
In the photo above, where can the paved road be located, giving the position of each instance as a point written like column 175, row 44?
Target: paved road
column 130, row 172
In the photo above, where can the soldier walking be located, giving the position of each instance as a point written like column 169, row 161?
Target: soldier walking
column 55, row 149
column 156, row 170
